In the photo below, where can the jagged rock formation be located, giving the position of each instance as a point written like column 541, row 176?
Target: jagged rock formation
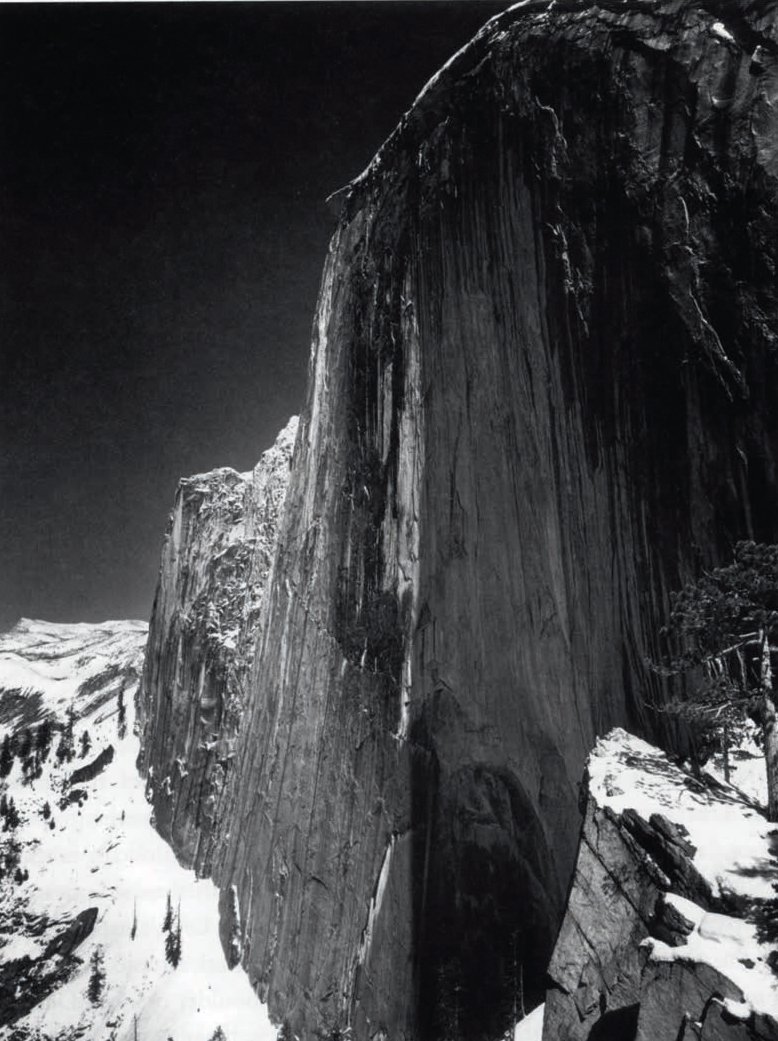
column 666, row 932
column 541, row 395
column 215, row 562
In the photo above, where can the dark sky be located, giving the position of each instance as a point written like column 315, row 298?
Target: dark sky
column 163, row 170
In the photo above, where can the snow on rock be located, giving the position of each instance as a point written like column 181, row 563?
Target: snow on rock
column 531, row 1027
column 673, row 904
column 204, row 629
column 732, row 840
column 95, row 876
column 729, row 945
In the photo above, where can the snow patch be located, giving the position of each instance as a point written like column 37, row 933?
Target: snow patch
column 735, row 851
column 720, row 30
column 531, row 1027
column 376, row 902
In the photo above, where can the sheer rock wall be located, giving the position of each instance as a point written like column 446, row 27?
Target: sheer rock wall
column 216, row 558
column 540, row 396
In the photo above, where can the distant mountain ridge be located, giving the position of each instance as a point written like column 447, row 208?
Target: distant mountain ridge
column 56, row 664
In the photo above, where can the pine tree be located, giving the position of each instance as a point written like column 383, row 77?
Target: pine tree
column 6, row 756
column 65, row 750
column 219, row 1035
column 173, row 941
column 121, row 722
column 171, row 949
column 723, row 630
column 167, row 922
column 96, row 977
column 11, row 816
column 177, row 939
column 86, row 744
column 43, row 739
column 46, row 811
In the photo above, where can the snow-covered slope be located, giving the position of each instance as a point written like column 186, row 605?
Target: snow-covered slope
column 731, row 845
column 87, row 877
column 44, row 666
column 672, row 916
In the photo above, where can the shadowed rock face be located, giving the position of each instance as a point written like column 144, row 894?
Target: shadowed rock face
column 540, row 396
column 215, row 563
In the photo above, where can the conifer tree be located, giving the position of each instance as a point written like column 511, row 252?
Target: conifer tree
column 167, row 922
column 10, row 816
column 723, row 632
column 177, row 939
column 121, row 722
column 96, row 977
column 6, row 756
column 43, row 739
column 65, row 750
column 173, row 941
column 86, row 744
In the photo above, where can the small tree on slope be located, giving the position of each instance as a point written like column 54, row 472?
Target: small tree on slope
column 96, row 977
column 724, row 628
column 6, row 756
column 167, row 921
column 173, row 941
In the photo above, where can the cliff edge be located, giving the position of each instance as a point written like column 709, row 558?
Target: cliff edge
column 216, row 559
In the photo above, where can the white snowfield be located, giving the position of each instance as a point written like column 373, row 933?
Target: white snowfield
column 105, row 854
column 736, row 852
column 53, row 659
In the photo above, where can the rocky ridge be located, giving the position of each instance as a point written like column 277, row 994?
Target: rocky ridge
column 540, row 396
column 672, row 915
column 216, row 559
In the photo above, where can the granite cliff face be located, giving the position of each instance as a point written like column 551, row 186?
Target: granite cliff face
column 215, row 563
column 540, row 396
column 668, row 930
